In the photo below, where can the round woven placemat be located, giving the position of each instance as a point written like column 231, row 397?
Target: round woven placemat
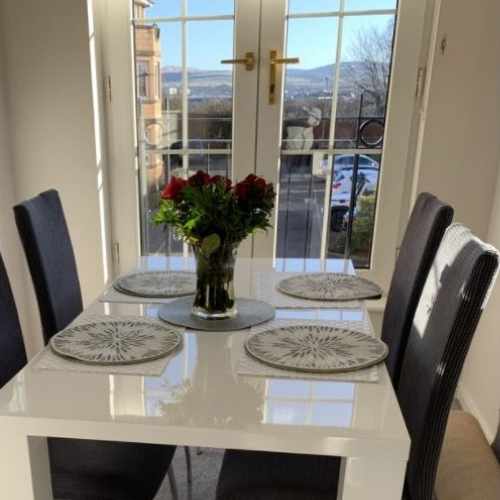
column 316, row 348
column 117, row 341
column 329, row 287
column 157, row 284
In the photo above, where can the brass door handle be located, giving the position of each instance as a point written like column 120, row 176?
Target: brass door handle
column 274, row 60
column 249, row 61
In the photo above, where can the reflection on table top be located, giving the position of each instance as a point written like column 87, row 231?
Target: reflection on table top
column 201, row 399
column 176, row 262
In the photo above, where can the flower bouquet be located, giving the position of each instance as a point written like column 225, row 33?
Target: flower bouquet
column 214, row 216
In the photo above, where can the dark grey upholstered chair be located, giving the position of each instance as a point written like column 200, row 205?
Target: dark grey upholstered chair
column 452, row 301
column 428, row 221
column 12, row 352
column 47, row 244
column 81, row 469
column 446, row 318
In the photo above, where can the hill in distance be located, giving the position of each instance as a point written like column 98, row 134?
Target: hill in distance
column 315, row 79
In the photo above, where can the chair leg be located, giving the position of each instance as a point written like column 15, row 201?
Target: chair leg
column 173, row 483
column 188, row 464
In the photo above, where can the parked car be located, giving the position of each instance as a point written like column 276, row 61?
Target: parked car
column 368, row 172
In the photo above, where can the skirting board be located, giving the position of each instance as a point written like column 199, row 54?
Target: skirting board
column 470, row 406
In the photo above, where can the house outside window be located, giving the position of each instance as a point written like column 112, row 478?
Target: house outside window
column 157, row 80
column 142, row 79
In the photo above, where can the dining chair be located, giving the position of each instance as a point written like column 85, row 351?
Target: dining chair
column 47, row 244
column 453, row 297
column 82, row 469
column 12, row 352
column 425, row 229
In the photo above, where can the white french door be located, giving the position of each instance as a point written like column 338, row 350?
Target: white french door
column 319, row 98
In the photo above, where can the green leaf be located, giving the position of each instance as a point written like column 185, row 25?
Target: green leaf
column 210, row 244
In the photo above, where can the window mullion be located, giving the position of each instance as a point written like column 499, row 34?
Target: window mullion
column 177, row 19
column 185, row 90
column 342, row 13
column 185, row 108
column 325, row 230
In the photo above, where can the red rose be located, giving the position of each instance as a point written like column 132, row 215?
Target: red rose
column 173, row 189
column 199, row 179
column 260, row 184
column 254, row 181
column 241, row 190
column 253, row 189
column 250, row 179
column 216, row 179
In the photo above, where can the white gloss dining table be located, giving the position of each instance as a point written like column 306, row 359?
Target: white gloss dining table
column 200, row 399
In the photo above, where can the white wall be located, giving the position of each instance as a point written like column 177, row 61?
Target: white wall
column 49, row 90
column 458, row 154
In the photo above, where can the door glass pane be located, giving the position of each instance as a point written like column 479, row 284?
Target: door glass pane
column 364, row 81
column 152, row 178
column 370, row 4
column 301, row 6
column 300, row 205
column 159, row 83
column 352, row 211
column 210, row 84
column 334, row 109
column 184, row 108
column 210, row 8
column 213, row 164
column 309, row 85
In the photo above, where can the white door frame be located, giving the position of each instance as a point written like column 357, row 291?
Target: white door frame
column 252, row 108
column 396, row 160
column 122, row 138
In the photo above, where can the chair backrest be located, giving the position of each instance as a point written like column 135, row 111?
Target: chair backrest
column 452, row 300
column 12, row 352
column 428, row 221
column 47, row 244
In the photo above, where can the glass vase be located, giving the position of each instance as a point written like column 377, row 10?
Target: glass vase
column 215, row 283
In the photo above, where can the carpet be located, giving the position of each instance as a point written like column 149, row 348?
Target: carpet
column 206, row 467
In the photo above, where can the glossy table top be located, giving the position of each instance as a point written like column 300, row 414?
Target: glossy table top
column 200, row 399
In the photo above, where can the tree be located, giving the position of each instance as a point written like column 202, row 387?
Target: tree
column 370, row 52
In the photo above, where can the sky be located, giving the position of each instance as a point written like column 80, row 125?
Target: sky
column 211, row 41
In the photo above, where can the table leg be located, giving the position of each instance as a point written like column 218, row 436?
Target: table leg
column 25, row 467
column 371, row 478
